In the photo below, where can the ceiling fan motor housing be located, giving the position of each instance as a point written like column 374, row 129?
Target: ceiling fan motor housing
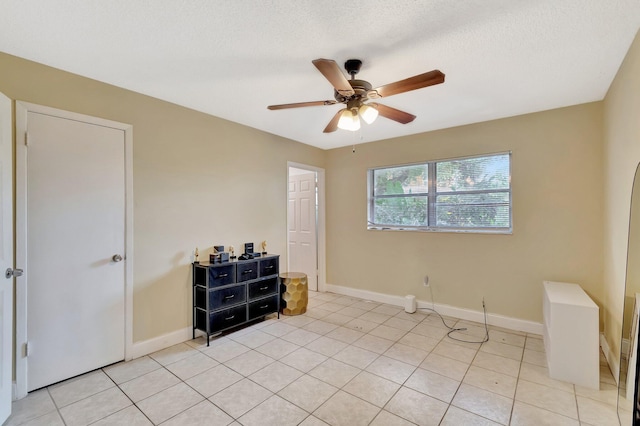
column 361, row 89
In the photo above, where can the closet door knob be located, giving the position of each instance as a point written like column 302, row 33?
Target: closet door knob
column 11, row 273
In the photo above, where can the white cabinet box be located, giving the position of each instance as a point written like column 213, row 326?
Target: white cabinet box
column 571, row 334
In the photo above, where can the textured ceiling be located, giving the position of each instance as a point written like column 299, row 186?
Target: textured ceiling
column 231, row 59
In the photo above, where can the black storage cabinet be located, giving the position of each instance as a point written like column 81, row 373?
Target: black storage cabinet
column 229, row 294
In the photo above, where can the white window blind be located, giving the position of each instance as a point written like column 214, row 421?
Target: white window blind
column 465, row 194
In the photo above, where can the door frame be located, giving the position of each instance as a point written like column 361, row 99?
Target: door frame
column 22, row 109
column 320, row 221
column 6, row 255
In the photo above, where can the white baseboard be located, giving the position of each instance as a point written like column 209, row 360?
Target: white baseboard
column 161, row 342
column 612, row 358
column 366, row 294
column 146, row 347
column 510, row 323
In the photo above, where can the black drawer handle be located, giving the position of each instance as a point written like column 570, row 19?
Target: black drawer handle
column 231, row 296
column 264, row 307
column 223, row 275
column 264, row 288
column 268, row 267
column 248, row 271
column 230, row 318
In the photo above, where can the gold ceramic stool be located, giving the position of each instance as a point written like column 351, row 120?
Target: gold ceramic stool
column 295, row 293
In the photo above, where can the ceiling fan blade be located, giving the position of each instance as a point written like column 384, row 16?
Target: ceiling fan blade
column 333, row 73
column 301, row 104
column 412, row 83
column 394, row 114
column 333, row 124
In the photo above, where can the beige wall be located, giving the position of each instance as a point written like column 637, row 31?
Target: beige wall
column 198, row 181
column 557, row 216
column 621, row 157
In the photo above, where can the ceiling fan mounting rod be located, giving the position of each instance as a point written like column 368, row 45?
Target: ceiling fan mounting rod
column 353, row 67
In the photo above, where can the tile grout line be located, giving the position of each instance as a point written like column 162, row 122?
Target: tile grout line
column 515, row 391
column 361, row 370
column 300, row 325
column 125, row 394
column 461, row 380
column 58, row 409
column 205, row 398
column 575, row 395
column 273, row 393
column 55, row 404
column 379, row 355
column 180, row 381
column 394, row 394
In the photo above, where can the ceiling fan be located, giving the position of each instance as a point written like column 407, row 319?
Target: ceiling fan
column 355, row 94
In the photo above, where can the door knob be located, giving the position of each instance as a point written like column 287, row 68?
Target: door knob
column 13, row 273
column 116, row 258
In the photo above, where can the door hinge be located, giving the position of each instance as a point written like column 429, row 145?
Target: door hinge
column 26, row 139
column 26, row 350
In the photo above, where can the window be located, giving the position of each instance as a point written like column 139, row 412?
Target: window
column 460, row 194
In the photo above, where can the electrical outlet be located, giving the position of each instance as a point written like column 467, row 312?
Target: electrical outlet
column 425, row 282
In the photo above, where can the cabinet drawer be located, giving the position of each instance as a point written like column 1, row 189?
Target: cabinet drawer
column 268, row 267
column 227, row 297
column 221, row 275
column 221, row 320
column 262, row 307
column 247, row 271
column 262, row 288
column 219, row 299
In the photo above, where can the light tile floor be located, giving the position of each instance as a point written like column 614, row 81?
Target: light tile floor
column 345, row 362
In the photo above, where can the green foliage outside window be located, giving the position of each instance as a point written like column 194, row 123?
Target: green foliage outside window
column 409, row 209
column 466, row 193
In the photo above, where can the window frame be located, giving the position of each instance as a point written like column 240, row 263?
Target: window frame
column 432, row 196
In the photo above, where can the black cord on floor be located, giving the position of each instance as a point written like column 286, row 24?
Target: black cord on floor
column 453, row 329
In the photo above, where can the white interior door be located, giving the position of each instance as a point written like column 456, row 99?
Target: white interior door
column 75, row 246
column 6, row 255
column 303, row 254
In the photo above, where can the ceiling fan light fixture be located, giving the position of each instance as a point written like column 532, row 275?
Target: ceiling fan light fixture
column 368, row 113
column 349, row 120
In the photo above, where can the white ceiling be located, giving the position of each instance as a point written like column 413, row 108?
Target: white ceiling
column 231, row 59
